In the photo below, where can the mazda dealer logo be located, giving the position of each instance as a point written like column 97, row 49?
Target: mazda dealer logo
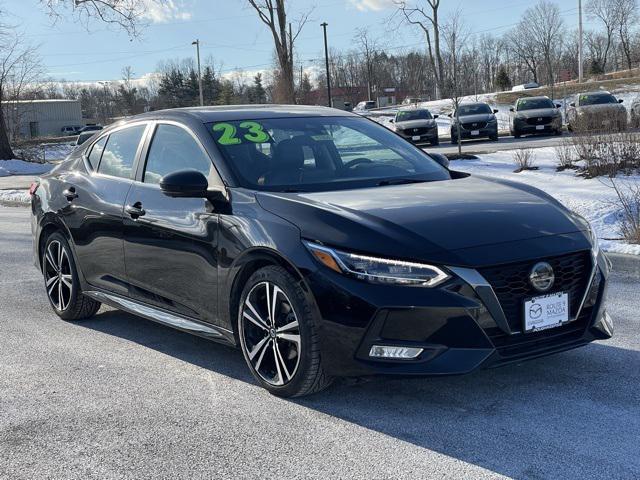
column 535, row 311
column 542, row 277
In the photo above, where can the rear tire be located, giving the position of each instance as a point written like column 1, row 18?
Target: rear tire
column 62, row 283
column 435, row 143
column 279, row 337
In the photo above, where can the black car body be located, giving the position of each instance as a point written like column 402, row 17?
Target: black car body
column 535, row 115
column 378, row 272
column 477, row 120
column 416, row 125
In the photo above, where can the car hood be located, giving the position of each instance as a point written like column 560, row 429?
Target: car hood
column 481, row 117
column 539, row 112
column 430, row 221
column 415, row 124
column 601, row 109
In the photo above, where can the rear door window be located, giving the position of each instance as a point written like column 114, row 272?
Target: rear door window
column 120, row 152
column 96, row 153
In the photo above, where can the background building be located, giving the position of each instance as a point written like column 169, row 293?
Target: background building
column 41, row 118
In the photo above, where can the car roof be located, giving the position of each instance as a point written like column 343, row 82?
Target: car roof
column 243, row 112
column 464, row 104
column 597, row 92
column 539, row 97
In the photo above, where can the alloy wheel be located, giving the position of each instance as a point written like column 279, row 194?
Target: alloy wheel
column 57, row 275
column 270, row 333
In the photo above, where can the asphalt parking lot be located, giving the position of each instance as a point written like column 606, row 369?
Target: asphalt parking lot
column 121, row 397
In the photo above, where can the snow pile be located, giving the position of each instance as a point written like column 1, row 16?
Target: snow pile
column 15, row 197
column 20, row 167
column 594, row 199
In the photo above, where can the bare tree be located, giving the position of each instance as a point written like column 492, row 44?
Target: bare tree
column 127, row 14
column 605, row 12
column 456, row 36
column 626, row 16
column 426, row 18
column 543, row 24
column 368, row 48
column 273, row 13
column 525, row 48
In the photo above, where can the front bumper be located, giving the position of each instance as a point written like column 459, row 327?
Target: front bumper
column 458, row 325
column 430, row 137
column 489, row 131
column 523, row 128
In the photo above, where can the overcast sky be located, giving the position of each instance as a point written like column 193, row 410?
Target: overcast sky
column 231, row 33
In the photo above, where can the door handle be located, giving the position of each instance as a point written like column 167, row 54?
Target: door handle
column 70, row 194
column 135, row 210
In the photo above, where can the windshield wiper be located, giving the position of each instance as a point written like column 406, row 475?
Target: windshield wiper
column 400, row 181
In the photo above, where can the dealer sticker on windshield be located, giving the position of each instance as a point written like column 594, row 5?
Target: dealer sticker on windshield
column 547, row 311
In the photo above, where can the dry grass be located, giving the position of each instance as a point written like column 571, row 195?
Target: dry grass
column 629, row 201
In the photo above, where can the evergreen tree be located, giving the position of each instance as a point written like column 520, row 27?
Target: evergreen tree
column 305, row 89
column 210, row 86
column 596, row 68
column 257, row 93
column 502, row 79
column 226, row 93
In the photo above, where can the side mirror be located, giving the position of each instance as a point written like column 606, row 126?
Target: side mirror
column 435, row 116
column 441, row 159
column 450, row 115
column 495, row 110
column 558, row 105
column 511, row 109
column 573, row 104
column 186, row 184
column 392, row 121
column 620, row 100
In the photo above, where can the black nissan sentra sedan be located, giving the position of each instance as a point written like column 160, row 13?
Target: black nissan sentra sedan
column 319, row 242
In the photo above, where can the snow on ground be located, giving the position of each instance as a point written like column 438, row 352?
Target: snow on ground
column 20, row 167
column 16, row 197
column 594, row 199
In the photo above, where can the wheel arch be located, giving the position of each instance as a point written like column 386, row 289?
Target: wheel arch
column 250, row 262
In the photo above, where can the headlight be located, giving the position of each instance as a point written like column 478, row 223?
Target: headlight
column 378, row 270
column 594, row 241
column 492, row 121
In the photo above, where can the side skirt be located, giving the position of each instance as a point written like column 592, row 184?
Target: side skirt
column 163, row 317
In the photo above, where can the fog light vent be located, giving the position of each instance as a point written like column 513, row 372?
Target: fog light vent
column 400, row 353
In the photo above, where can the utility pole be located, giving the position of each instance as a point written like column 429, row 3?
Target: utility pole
column 324, row 26
column 196, row 42
column 580, row 72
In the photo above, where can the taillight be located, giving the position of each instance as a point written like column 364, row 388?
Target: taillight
column 32, row 189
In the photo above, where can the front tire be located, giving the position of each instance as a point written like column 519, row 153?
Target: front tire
column 277, row 326
column 61, row 281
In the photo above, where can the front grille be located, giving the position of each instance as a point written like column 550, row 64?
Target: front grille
column 474, row 125
column 539, row 120
column 416, row 131
column 511, row 285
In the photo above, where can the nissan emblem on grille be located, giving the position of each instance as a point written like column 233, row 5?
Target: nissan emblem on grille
column 542, row 276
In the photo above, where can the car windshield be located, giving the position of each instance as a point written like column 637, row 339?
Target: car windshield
column 534, row 104
column 320, row 154
column 475, row 109
column 597, row 99
column 408, row 115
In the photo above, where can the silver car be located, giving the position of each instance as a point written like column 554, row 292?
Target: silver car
column 596, row 111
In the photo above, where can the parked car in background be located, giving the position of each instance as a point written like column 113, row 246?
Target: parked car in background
column 477, row 120
column 635, row 113
column 596, row 111
column 84, row 136
column 365, row 106
column 90, row 128
column 533, row 115
column 417, row 125
column 70, row 130
column 413, row 101
column 524, row 86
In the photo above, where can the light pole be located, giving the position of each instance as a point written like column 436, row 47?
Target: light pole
column 196, row 42
column 106, row 103
column 324, row 26
column 580, row 73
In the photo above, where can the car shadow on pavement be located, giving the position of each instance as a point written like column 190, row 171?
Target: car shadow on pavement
column 571, row 415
